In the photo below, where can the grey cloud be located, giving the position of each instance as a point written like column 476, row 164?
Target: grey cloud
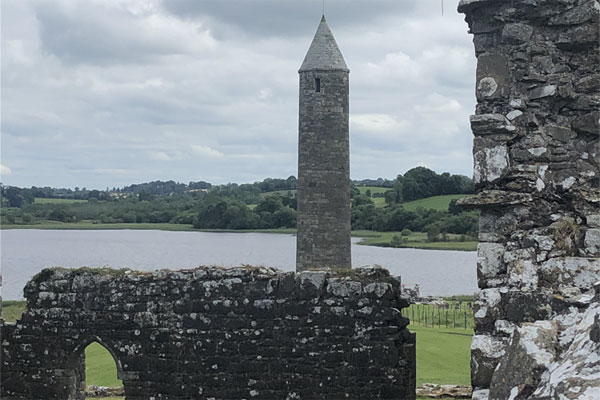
column 86, row 32
column 285, row 17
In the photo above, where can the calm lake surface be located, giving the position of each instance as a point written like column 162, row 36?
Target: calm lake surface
column 26, row 252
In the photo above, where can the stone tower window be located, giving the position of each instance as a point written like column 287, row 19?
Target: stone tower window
column 317, row 84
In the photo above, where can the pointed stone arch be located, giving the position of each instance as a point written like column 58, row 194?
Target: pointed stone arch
column 75, row 366
column 79, row 351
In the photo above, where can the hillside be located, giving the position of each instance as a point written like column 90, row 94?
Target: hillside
column 439, row 203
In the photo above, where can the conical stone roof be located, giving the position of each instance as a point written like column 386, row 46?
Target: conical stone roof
column 324, row 53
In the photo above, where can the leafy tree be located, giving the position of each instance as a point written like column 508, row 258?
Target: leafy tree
column 433, row 232
column 290, row 200
column 361, row 200
column 59, row 213
column 453, row 208
column 285, row 217
column 17, row 197
column 269, row 204
column 390, row 197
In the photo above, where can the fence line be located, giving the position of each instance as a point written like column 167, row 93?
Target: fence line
column 447, row 315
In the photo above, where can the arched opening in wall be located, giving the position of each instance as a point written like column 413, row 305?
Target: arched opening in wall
column 101, row 370
column 95, row 372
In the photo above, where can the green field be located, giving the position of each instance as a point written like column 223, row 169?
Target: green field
column 40, row 200
column 417, row 240
column 89, row 225
column 378, row 201
column 12, row 310
column 443, row 354
column 439, row 203
column 100, row 367
column 282, row 193
column 373, row 189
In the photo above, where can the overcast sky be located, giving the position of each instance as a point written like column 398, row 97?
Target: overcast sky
column 104, row 93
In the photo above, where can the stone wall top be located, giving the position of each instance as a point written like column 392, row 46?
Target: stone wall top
column 207, row 281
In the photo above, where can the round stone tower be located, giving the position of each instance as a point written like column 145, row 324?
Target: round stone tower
column 323, row 238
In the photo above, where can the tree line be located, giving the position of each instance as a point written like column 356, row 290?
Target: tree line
column 270, row 203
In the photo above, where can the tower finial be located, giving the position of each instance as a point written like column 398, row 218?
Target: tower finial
column 323, row 7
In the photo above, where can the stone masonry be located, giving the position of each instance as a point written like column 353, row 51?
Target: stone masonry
column 323, row 220
column 213, row 333
column 536, row 170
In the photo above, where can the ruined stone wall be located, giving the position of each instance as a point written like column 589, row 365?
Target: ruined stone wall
column 212, row 333
column 536, row 169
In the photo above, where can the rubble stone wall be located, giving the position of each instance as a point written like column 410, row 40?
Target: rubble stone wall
column 537, row 160
column 212, row 333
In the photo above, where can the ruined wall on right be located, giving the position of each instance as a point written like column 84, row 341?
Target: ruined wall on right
column 537, row 173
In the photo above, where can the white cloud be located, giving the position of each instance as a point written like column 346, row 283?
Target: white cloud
column 395, row 66
column 206, row 151
column 376, row 122
column 4, row 170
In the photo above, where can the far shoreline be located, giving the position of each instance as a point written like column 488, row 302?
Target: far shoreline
column 369, row 238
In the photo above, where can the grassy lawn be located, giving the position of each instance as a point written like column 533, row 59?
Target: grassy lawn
column 100, row 367
column 89, row 225
column 443, row 354
column 378, row 201
column 12, row 310
column 373, row 189
column 416, row 240
column 439, row 203
column 40, row 200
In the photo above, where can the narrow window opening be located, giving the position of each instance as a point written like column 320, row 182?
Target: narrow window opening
column 317, row 84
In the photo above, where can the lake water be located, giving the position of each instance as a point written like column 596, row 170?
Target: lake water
column 25, row 252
